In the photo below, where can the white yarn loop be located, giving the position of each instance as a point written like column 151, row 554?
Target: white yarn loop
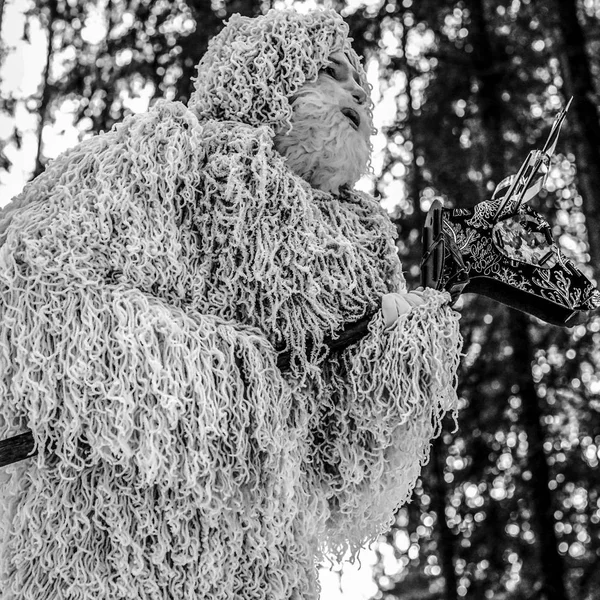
column 146, row 278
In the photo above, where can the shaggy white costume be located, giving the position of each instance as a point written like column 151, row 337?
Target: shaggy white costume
column 147, row 280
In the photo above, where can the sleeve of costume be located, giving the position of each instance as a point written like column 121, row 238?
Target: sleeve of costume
column 107, row 373
column 300, row 264
column 385, row 401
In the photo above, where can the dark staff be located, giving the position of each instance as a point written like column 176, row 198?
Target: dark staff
column 22, row 446
column 535, row 277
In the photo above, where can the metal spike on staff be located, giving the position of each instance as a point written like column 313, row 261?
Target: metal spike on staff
column 521, row 188
column 550, row 144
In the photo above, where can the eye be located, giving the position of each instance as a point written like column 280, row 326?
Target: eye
column 329, row 70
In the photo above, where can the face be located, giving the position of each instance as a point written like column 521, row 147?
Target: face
column 341, row 83
column 328, row 144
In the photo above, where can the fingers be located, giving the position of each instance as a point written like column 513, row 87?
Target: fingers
column 392, row 308
column 414, row 299
column 396, row 305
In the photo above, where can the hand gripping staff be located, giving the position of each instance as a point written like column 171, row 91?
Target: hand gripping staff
column 501, row 248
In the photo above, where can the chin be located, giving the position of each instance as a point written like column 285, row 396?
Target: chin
column 323, row 147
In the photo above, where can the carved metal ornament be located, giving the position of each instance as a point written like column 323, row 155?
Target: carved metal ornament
column 503, row 249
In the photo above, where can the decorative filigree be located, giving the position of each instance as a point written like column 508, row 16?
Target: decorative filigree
column 517, row 252
column 503, row 240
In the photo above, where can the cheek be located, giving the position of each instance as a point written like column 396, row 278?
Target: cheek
column 317, row 110
column 329, row 90
column 336, row 97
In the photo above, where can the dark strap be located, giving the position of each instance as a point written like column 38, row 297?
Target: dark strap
column 22, row 446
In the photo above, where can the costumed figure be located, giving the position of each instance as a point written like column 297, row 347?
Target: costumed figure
column 150, row 277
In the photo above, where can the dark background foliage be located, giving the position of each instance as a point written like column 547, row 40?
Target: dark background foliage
column 508, row 506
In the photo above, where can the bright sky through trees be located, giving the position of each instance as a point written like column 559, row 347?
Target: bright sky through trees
column 21, row 76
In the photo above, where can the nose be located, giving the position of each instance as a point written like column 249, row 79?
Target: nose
column 356, row 91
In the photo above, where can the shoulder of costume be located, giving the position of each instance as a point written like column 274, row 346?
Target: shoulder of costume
column 162, row 120
column 365, row 201
column 164, row 123
column 178, row 114
column 162, row 112
column 239, row 138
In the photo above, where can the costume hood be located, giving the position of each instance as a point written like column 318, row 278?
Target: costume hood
column 254, row 65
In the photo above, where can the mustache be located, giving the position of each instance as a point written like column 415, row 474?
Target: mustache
column 309, row 99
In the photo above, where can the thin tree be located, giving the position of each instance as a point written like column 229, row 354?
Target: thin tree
column 579, row 83
column 51, row 14
column 552, row 570
column 1, row 14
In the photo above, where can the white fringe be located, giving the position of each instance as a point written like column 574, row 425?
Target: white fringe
column 145, row 279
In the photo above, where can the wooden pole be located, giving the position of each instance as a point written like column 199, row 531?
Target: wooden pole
column 22, row 446
column 17, row 448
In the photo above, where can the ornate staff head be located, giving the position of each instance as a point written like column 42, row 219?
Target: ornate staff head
column 504, row 249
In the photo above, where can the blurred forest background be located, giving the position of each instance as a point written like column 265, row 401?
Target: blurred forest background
column 509, row 505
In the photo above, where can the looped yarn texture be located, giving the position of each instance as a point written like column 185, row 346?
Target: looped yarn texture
column 147, row 278
column 255, row 65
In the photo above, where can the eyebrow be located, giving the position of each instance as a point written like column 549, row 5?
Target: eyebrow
column 346, row 68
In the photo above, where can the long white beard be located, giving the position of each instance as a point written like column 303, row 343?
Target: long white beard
column 322, row 147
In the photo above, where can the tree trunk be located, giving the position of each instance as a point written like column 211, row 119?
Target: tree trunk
column 416, row 181
column 409, row 222
column 45, row 95
column 552, row 565
column 437, row 489
column 1, row 15
column 578, row 82
column 488, row 65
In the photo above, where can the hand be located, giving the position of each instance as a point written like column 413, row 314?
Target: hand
column 395, row 305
